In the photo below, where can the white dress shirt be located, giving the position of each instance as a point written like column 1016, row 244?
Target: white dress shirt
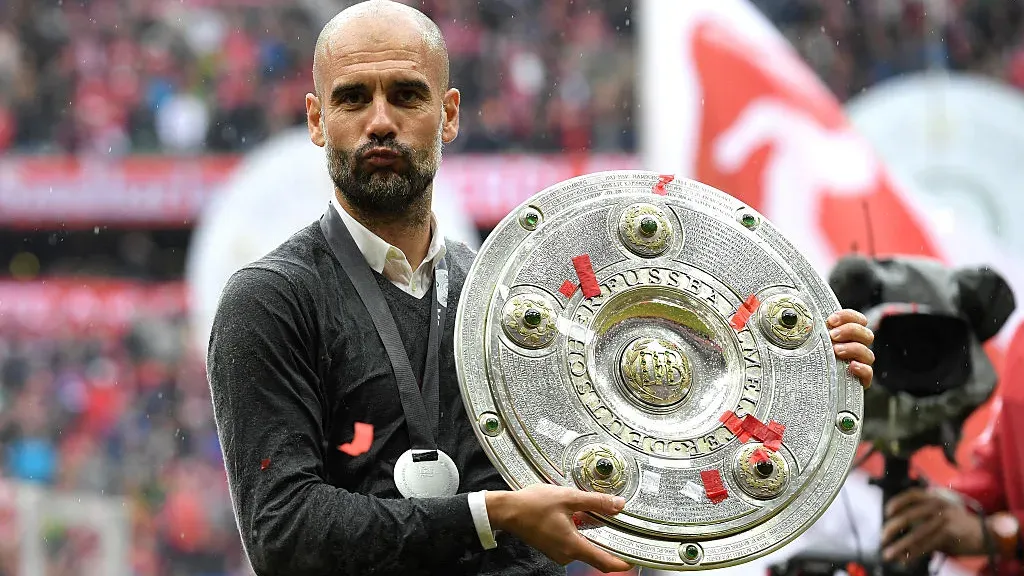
column 390, row 262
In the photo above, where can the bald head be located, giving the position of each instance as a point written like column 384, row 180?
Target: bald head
column 372, row 21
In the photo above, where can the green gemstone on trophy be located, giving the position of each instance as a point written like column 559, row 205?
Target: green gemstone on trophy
column 532, row 317
column 691, row 552
column 846, row 423
column 648, row 226
column 788, row 318
column 764, row 468
column 749, row 220
column 531, row 218
column 604, row 467
column 491, row 424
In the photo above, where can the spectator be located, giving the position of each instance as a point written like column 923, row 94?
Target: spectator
column 131, row 416
column 855, row 44
column 120, row 76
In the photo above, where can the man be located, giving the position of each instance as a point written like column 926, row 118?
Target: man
column 297, row 359
column 983, row 514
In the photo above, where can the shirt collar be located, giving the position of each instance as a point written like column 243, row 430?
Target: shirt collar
column 375, row 249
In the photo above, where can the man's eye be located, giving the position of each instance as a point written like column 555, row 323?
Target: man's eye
column 407, row 95
column 351, row 98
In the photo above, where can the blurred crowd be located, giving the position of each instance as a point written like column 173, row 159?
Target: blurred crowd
column 139, row 76
column 126, row 415
column 854, row 44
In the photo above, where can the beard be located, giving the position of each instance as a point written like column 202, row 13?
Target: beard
column 387, row 193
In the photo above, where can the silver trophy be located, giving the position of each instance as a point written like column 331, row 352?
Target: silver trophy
column 654, row 338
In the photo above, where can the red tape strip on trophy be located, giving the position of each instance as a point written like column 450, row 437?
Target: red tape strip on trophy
column 773, row 438
column 664, row 179
column 735, row 425
column 713, row 486
column 757, row 429
column 759, row 455
column 732, row 422
column 744, row 312
column 750, row 428
column 567, row 289
column 585, row 272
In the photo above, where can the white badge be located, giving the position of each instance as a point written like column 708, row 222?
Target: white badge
column 441, row 286
column 428, row 478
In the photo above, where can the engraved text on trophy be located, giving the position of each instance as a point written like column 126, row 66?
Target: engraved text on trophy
column 576, row 358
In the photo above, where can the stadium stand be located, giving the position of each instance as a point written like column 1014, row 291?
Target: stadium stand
column 124, row 410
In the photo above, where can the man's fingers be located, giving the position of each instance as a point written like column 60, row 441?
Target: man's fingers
column 863, row 372
column 932, row 541
column 594, row 502
column 854, row 352
column 600, row 559
column 845, row 316
column 852, row 340
column 924, row 539
column 892, row 529
column 904, row 499
column 852, row 332
column 909, row 517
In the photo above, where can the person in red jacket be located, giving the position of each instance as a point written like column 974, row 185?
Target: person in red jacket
column 983, row 513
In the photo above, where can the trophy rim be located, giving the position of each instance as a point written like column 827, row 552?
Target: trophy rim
column 483, row 280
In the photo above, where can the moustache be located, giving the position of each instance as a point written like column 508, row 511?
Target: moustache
column 389, row 144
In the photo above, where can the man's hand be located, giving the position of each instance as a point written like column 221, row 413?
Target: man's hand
column 541, row 516
column 851, row 339
column 934, row 520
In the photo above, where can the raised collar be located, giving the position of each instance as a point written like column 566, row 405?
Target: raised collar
column 376, row 250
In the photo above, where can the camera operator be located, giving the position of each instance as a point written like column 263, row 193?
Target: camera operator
column 983, row 513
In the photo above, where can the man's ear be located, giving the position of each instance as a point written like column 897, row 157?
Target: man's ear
column 450, row 126
column 314, row 120
column 986, row 300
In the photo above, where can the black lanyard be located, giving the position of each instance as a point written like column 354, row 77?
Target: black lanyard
column 421, row 409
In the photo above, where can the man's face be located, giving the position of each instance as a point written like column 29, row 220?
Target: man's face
column 382, row 115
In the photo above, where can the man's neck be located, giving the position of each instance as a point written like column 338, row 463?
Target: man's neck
column 409, row 232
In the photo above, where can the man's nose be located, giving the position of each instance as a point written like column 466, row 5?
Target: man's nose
column 382, row 121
